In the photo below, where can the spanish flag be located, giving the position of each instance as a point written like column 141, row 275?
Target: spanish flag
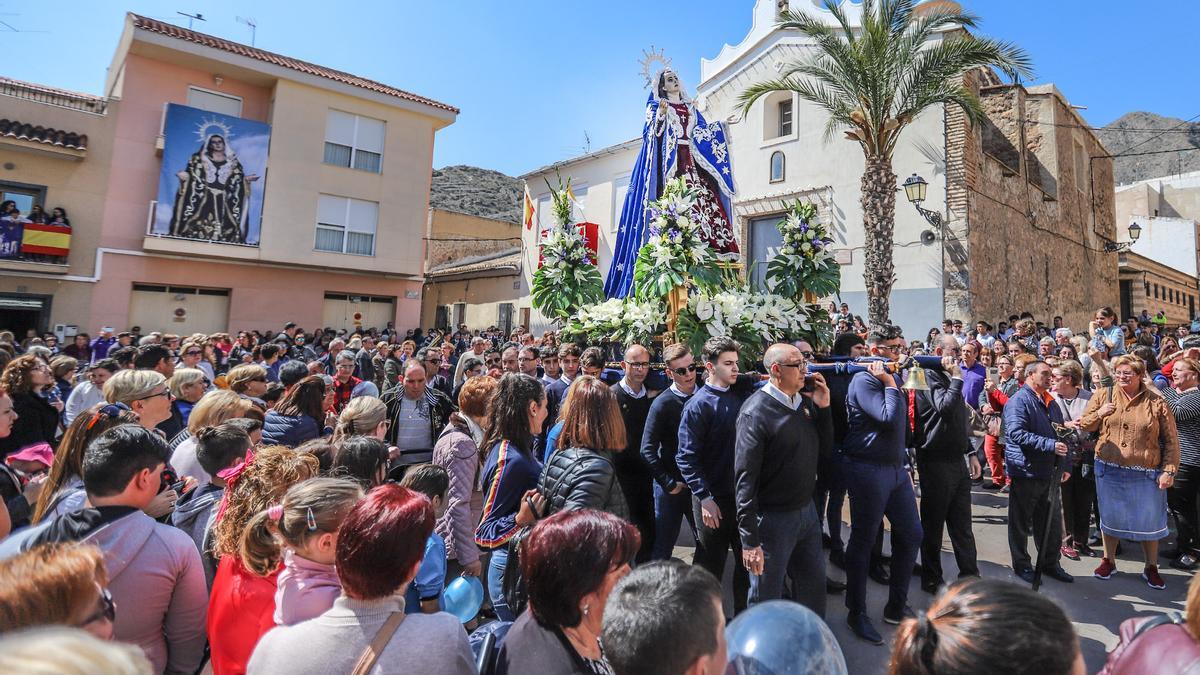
column 46, row 239
column 528, row 210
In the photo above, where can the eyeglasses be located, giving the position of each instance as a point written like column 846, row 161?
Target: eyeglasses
column 690, row 368
column 437, row 361
column 166, row 394
column 807, row 354
column 793, row 365
column 638, row 364
column 192, row 353
column 107, row 611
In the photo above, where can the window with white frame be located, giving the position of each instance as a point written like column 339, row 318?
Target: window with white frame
column 777, row 166
column 346, row 225
column 785, row 118
column 214, row 102
column 354, row 141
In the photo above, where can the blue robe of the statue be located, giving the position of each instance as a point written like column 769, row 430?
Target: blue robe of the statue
column 655, row 165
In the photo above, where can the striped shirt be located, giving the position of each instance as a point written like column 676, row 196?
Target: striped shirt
column 1186, row 407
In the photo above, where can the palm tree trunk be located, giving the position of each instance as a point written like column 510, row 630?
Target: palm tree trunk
column 878, row 203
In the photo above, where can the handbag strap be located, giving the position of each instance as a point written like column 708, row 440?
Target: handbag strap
column 366, row 661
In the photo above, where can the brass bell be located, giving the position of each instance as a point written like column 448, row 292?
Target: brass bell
column 916, row 379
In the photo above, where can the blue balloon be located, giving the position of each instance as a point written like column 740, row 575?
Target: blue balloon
column 782, row 637
column 463, row 598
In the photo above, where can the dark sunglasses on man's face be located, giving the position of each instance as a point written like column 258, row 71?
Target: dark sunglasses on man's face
column 690, row 368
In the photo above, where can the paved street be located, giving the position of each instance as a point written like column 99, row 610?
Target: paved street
column 1096, row 607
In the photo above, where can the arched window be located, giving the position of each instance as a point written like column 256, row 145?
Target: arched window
column 778, row 167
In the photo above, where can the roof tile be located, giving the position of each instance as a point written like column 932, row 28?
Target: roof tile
column 170, row 30
column 24, row 131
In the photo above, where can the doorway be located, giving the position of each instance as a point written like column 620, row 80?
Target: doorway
column 22, row 312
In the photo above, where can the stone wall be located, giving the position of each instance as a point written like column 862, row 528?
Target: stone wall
column 1034, row 239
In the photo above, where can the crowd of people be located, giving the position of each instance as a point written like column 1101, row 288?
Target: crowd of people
column 293, row 502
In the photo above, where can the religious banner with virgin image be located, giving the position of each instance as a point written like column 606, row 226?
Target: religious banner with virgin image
column 210, row 186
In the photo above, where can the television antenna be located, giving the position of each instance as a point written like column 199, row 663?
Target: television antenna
column 249, row 21
column 587, row 143
column 6, row 27
column 192, row 17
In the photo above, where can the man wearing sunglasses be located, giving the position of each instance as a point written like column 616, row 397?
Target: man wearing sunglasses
column 155, row 574
column 659, row 444
column 782, row 430
column 431, row 358
column 878, row 484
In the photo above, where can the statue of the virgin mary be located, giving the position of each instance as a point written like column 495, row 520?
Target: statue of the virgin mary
column 676, row 141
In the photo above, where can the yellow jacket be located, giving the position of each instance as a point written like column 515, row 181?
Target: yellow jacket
column 1140, row 433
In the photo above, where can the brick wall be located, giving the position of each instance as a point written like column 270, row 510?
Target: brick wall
column 1031, row 240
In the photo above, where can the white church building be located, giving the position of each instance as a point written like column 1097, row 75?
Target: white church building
column 779, row 155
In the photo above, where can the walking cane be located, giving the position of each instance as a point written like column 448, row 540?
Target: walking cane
column 1055, row 504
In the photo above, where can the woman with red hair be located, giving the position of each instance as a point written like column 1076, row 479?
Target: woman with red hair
column 379, row 549
column 570, row 563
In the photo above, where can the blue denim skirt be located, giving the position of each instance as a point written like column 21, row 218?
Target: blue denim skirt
column 1131, row 505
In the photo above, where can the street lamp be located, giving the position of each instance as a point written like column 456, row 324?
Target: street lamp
column 1135, row 231
column 915, row 189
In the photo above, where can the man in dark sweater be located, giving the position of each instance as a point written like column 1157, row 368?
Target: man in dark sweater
column 947, row 464
column 632, row 473
column 879, row 485
column 781, row 434
column 707, row 436
column 660, row 442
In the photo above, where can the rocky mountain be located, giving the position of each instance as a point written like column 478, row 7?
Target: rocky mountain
column 1138, row 132
column 477, row 192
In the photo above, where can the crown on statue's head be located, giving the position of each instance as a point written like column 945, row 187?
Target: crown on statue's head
column 212, row 126
column 654, row 63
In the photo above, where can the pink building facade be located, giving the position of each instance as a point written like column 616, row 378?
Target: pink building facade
column 336, row 190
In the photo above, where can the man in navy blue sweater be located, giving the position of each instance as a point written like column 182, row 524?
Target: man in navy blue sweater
column 660, row 443
column 879, row 485
column 707, row 437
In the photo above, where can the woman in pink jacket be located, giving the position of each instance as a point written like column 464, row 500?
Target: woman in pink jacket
column 458, row 450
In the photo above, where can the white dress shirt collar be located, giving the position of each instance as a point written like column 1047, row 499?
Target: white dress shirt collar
column 774, row 392
column 629, row 390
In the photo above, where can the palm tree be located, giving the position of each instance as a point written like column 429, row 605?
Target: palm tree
column 873, row 81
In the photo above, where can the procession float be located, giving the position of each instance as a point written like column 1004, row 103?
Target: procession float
column 677, row 273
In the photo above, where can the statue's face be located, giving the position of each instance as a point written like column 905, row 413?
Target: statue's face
column 217, row 144
column 670, row 82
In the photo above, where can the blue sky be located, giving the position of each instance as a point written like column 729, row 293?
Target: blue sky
column 532, row 77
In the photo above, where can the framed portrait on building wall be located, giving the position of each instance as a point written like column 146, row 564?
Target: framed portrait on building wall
column 213, row 173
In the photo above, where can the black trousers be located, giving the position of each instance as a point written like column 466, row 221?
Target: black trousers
column 946, row 505
column 1182, row 500
column 714, row 545
column 638, row 489
column 1028, row 506
column 1077, row 496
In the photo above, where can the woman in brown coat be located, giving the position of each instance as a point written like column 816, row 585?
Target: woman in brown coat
column 1137, row 456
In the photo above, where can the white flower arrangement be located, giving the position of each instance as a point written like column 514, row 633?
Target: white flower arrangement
column 618, row 320
column 675, row 251
column 568, row 277
column 753, row 319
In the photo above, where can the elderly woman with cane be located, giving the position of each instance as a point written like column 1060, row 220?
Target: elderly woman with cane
column 1137, row 456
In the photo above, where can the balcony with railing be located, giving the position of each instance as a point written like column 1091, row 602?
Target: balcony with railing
column 34, row 247
column 50, row 96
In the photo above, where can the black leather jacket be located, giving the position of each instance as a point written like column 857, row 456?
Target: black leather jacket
column 579, row 478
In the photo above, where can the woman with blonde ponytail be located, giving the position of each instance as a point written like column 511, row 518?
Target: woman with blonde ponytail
column 305, row 528
column 362, row 416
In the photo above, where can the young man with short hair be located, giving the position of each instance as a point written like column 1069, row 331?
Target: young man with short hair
column 707, row 438
column 217, row 449
column 551, row 370
column 665, row 618
column 659, row 445
column 154, row 570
